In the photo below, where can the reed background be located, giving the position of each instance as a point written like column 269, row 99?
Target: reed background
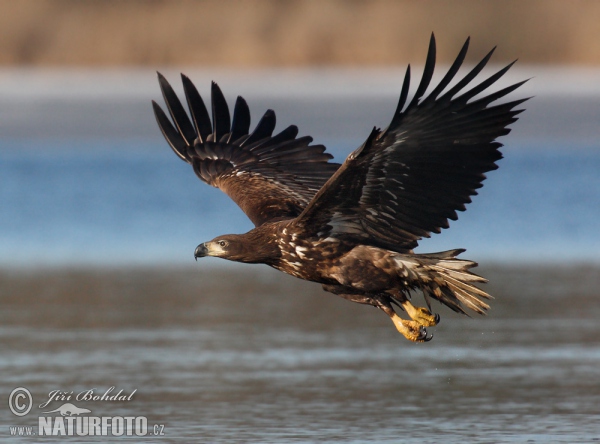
column 259, row 33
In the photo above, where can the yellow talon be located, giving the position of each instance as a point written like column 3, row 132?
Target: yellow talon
column 411, row 330
column 420, row 314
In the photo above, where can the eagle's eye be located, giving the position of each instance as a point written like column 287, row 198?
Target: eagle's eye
column 222, row 243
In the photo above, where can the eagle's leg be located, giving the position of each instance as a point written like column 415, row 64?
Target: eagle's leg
column 412, row 330
column 422, row 315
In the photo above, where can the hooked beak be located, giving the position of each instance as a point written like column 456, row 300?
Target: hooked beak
column 200, row 251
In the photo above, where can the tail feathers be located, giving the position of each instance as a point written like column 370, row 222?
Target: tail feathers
column 449, row 280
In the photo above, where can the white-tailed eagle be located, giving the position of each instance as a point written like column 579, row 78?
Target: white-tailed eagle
column 353, row 227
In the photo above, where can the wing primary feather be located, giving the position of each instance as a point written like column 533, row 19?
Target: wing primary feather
column 464, row 98
column 451, row 72
column 404, row 92
column 172, row 136
column 288, row 134
column 265, row 128
column 241, row 120
column 402, row 100
column 178, row 114
column 220, row 113
column 470, row 76
column 484, row 101
column 427, row 73
column 197, row 108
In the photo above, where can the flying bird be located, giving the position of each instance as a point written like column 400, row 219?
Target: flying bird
column 353, row 227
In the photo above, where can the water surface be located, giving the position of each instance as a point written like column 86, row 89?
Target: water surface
column 251, row 357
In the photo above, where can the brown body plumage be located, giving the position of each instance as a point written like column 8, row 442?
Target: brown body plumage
column 353, row 227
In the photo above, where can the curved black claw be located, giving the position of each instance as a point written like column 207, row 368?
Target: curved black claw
column 423, row 335
column 437, row 318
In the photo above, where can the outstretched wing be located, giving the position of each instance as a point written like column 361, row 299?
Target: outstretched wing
column 406, row 181
column 271, row 177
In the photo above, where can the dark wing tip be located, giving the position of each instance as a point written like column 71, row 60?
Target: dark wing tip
column 427, row 72
column 263, row 129
column 173, row 137
column 197, row 109
column 240, row 125
column 220, row 112
column 178, row 114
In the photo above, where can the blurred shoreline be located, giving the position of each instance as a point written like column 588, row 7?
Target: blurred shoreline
column 333, row 104
column 154, row 297
column 78, row 284
column 26, row 83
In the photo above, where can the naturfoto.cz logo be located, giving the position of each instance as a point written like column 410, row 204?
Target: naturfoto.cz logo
column 69, row 419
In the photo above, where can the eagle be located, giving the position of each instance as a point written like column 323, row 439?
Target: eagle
column 353, row 227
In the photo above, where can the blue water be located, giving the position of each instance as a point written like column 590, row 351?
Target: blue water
column 130, row 201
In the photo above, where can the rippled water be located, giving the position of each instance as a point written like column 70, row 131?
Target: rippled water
column 216, row 359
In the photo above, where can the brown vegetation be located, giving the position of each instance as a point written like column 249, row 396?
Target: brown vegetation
column 291, row 32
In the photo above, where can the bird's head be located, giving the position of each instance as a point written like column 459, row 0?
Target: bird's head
column 256, row 246
column 233, row 247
